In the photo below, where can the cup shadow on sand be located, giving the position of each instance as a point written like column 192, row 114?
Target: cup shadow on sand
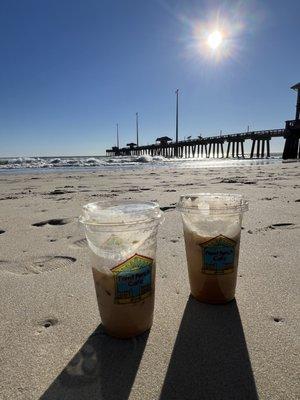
column 103, row 369
column 210, row 359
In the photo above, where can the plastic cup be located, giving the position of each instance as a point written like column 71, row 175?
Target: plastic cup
column 212, row 231
column 122, row 240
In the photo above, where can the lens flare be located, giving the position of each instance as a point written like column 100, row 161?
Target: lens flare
column 213, row 35
column 217, row 36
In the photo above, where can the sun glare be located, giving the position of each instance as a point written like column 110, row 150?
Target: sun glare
column 214, row 40
column 217, row 37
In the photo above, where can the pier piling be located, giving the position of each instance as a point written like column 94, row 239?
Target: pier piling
column 263, row 148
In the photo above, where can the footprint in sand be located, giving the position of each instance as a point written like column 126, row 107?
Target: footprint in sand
column 37, row 266
column 12, row 267
column 50, row 263
column 80, row 243
column 55, row 221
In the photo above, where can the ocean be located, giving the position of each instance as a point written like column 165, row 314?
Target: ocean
column 55, row 164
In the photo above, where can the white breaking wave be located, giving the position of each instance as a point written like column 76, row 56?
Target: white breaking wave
column 45, row 164
column 147, row 158
column 65, row 162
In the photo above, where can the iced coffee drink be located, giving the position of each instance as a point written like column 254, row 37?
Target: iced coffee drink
column 212, row 228
column 126, row 301
column 122, row 240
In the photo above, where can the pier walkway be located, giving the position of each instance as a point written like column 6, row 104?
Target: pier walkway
column 212, row 146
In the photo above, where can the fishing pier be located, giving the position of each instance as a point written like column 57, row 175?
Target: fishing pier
column 222, row 146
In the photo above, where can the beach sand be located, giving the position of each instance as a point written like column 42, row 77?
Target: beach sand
column 51, row 344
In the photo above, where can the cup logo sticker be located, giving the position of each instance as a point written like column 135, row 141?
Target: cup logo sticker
column 218, row 255
column 133, row 279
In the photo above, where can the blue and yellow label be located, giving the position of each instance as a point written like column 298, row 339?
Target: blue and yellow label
column 133, row 279
column 218, row 255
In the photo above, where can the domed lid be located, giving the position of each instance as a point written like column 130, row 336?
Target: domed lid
column 211, row 203
column 120, row 213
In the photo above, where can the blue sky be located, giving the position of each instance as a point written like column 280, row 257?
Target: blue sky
column 70, row 70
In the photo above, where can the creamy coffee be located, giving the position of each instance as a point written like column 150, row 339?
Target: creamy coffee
column 122, row 240
column 212, row 230
column 212, row 266
column 125, row 296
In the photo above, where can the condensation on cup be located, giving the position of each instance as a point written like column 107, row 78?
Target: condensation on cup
column 122, row 240
column 212, row 231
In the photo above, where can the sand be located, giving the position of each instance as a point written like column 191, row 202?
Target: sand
column 51, row 344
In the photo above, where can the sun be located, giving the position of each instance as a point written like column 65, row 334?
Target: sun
column 215, row 39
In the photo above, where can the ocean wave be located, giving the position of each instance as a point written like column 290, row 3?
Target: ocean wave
column 122, row 162
column 23, row 162
column 147, row 159
column 65, row 162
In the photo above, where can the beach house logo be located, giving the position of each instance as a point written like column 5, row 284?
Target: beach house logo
column 133, row 279
column 218, row 255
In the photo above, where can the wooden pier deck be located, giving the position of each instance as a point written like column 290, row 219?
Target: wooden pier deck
column 213, row 146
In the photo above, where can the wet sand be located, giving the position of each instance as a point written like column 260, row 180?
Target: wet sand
column 51, row 344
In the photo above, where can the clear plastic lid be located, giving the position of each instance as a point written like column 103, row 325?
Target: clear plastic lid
column 117, row 213
column 213, row 203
